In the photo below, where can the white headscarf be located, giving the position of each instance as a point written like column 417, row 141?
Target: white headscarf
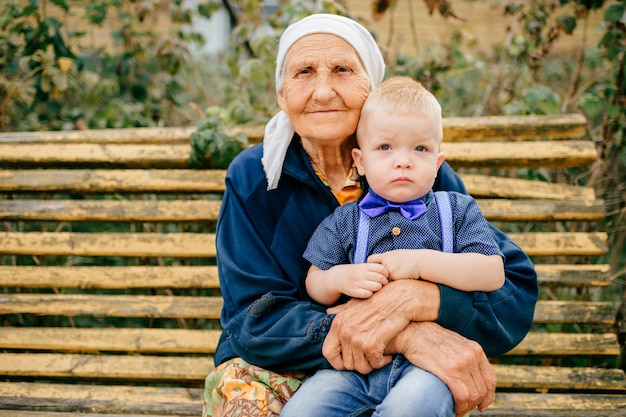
column 279, row 131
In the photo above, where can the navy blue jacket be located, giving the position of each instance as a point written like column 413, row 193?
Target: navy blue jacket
column 268, row 318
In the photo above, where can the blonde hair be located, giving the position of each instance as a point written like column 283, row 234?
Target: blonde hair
column 403, row 95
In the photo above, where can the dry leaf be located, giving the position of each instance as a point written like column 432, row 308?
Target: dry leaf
column 379, row 7
column 443, row 6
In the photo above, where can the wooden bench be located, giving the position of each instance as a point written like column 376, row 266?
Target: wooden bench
column 110, row 301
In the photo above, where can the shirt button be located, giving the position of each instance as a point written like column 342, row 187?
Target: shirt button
column 395, row 231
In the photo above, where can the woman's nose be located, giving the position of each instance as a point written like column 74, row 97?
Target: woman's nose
column 324, row 88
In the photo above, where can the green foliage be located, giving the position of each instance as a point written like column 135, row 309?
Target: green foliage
column 535, row 100
column 211, row 145
column 609, row 111
column 49, row 82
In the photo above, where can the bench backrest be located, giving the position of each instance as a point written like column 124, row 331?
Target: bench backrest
column 107, row 251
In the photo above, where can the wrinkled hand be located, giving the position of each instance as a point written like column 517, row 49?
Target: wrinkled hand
column 362, row 329
column 459, row 362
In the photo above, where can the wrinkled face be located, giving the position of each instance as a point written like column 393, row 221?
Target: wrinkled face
column 399, row 154
column 324, row 88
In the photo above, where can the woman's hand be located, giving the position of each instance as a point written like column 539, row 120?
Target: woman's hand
column 459, row 362
column 362, row 329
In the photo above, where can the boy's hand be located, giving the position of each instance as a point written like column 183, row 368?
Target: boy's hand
column 400, row 263
column 359, row 280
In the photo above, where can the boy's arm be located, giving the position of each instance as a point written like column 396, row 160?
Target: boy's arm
column 462, row 271
column 360, row 281
column 320, row 287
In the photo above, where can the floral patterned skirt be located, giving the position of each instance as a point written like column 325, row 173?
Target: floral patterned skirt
column 236, row 388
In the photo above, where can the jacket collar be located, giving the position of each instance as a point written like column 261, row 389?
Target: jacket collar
column 298, row 166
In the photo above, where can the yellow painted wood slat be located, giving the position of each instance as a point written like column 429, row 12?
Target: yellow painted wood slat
column 139, row 398
column 139, row 340
column 195, row 245
column 111, row 210
column 212, row 181
column 555, row 377
column 541, row 210
column 181, row 276
column 109, row 277
column 561, row 126
column 95, row 155
column 113, row 181
column 128, row 393
column 562, row 243
column 574, row 275
column 94, row 340
column 190, row 245
column 165, row 368
column 567, row 344
column 141, row 135
column 541, row 154
column 499, row 187
column 93, row 409
column 558, row 312
column 554, row 153
column 102, row 367
column 208, row 210
column 555, row 405
column 74, row 400
column 101, row 305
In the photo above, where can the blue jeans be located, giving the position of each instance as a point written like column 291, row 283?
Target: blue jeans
column 400, row 389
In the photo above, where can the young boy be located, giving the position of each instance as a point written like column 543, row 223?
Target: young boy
column 353, row 251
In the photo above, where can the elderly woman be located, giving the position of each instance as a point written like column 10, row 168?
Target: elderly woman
column 276, row 195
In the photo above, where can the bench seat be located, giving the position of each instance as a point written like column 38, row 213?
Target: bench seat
column 111, row 300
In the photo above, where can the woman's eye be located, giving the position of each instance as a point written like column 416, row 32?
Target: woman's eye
column 342, row 69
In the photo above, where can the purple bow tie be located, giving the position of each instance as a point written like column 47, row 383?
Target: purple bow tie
column 373, row 206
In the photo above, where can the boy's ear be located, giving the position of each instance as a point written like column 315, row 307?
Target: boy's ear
column 358, row 161
column 440, row 158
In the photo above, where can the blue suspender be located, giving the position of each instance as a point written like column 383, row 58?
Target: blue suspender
column 362, row 233
column 445, row 219
column 444, row 209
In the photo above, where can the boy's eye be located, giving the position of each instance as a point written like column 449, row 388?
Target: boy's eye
column 420, row 149
column 385, row 147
